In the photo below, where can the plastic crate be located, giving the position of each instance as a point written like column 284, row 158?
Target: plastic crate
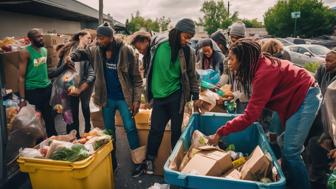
column 93, row 172
column 244, row 141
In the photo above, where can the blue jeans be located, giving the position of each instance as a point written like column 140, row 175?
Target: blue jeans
column 297, row 129
column 109, row 121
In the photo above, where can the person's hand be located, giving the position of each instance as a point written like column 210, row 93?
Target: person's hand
column 73, row 91
column 198, row 104
column 68, row 62
column 333, row 165
column 135, row 108
column 213, row 139
column 332, row 154
column 22, row 103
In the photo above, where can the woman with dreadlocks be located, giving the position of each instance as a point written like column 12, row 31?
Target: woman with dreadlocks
column 171, row 82
column 282, row 87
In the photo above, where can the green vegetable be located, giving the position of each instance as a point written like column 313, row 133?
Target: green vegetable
column 76, row 153
column 231, row 147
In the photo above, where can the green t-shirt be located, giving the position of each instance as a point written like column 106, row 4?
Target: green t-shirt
column 37, row 69
column 165, row 75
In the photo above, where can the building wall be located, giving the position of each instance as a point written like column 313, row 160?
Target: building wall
column 17, row 25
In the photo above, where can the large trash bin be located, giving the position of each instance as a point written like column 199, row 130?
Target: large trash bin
column 244, row 141
column 93, row 172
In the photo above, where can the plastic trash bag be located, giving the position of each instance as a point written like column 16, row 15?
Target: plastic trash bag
column 210, row 76
column 30, row 153
column 59, row 100
column 27, row 128
column 328, row 111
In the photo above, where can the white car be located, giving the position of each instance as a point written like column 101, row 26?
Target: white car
column 303, row 54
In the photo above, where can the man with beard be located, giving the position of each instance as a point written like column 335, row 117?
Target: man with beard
column 118, row 84
column 34, row 84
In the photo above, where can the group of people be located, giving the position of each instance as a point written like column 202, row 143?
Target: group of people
column 260, row 75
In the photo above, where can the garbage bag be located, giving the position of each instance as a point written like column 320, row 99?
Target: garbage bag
column 210, row 76
column 328, row 111
column 60, row 100
column 27, row 129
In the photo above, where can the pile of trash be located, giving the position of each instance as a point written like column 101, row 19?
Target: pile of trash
column 68, row 147
column 10, row 44
column 226, row 162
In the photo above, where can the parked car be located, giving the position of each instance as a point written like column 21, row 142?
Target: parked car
column 303, row 54
column 297, row 41
column 285, row 42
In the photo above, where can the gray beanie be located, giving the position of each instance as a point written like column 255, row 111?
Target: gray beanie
column 238, row 29
column 186, row 25
column 105, row 30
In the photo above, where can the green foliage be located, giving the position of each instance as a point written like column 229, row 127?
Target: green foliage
column 254, row 23
column 316, row 19
column 312, row 67
column 137, row 22
column 216, row 16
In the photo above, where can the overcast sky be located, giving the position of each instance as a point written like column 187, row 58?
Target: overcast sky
column 175, row 9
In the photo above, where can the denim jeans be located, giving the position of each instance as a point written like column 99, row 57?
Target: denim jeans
column 297, row 129
column 129, row 124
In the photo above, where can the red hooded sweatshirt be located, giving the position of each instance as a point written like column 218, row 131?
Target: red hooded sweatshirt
column 279, row 87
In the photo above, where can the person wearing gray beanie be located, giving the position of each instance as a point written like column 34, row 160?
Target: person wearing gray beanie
column 170, row 82
column 237, row 31
column 105, row 30
column 118, row 85
column 186, row 25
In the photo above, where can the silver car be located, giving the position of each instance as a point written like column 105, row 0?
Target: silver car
column 303, row 54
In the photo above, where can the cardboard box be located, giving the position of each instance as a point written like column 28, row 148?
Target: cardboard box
column 142, row 117
column 233, row 174
column 118, row 120
column 258, row 165
column 10, row 70
column 209, row 163
column 51, row 40
column 164, row 150
column 52, row 59
column 97, row 119
column 139, row 155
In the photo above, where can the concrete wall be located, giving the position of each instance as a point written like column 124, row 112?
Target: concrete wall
column 16, row 24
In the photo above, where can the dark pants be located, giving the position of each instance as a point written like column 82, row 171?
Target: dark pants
column 318, row 163
column 40, row 98
column 164, row 109
column 84, row 98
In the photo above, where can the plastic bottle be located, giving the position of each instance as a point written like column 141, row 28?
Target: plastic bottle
column 240, row 161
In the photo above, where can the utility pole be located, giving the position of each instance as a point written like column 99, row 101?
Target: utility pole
column 229, row 8
column 101, row 7
column 295, row 27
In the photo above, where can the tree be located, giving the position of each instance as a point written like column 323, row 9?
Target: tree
column 316, row 19
column 216, row 16
column 163, row 23
column 138, row 22
column 254, row 23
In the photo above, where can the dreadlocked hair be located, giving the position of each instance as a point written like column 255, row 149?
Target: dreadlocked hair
column 174, row 43
column 248, row 53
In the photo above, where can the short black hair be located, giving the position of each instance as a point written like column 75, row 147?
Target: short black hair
column 140, row 38
column 31, row 33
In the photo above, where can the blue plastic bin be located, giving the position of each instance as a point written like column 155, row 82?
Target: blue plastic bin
column 244, row 141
